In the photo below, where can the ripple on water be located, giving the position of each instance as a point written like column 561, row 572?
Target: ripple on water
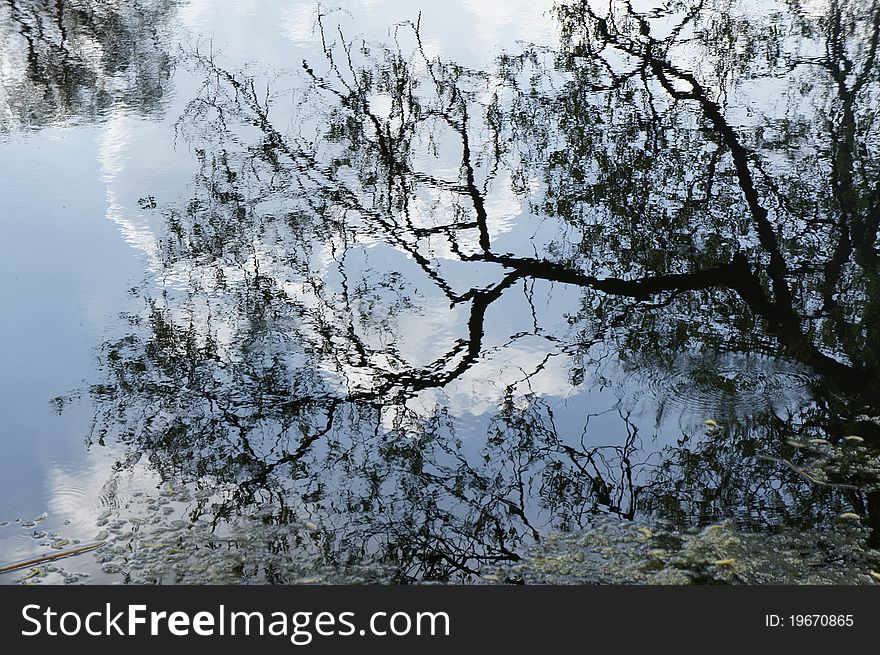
column 75, row 498
column 713, row 384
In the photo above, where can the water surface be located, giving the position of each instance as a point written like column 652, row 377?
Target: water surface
column 394, row 291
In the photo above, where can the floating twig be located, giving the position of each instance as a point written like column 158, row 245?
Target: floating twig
column 49, row 557
column 806, row 475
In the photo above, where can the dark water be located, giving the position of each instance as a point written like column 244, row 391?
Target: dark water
column 410, row 286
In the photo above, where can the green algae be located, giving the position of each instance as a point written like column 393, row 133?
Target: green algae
column 617, row 552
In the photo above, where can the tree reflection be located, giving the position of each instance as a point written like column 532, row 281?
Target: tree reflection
column 342, row 276
column 76, row 60
column 804, row 205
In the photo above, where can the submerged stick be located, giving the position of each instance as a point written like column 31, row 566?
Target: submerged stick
column 805, row 475
column 49, row 557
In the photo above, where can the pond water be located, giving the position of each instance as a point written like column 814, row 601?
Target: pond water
column 402, row 291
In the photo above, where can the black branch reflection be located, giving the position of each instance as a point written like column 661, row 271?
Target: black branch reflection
column 387, row 258
column 77, row 59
